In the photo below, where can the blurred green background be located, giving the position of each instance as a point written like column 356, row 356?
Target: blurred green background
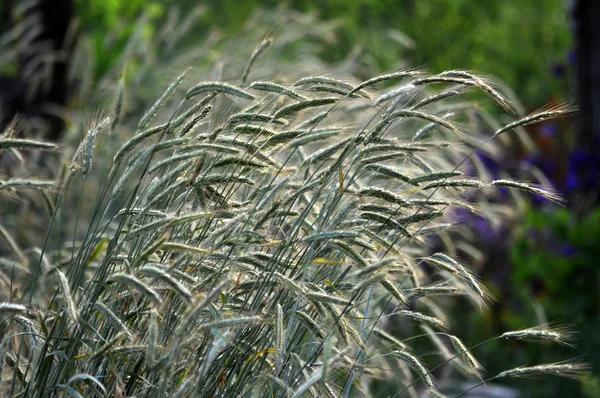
column 525, row 43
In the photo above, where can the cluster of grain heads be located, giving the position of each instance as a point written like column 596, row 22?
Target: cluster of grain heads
column 261, row 240
column 11, row 148
column 16, row 155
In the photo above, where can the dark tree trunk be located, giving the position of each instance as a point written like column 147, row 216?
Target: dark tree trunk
column 586, row 32
column 40, row 84
column 586, row 15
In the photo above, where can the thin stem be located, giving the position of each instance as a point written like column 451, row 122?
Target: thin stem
column 444, row 363
column 476, row 386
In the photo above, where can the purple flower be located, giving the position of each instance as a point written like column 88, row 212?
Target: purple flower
column 461, row 214
column 583, row 170
column 546, row 166
column 579, row 158
column 572, row 181
column 490, row 164
column 558, row 70
column 484, row 228
column 548, row 129
column 504, row 192
column 566, row 250
column 539, row 200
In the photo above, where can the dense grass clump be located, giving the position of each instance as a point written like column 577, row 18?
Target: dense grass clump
column 263, row 239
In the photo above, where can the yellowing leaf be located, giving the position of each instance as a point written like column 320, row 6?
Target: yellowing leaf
column 322, row 260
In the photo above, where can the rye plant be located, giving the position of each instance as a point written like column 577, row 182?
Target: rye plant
column 262, row 239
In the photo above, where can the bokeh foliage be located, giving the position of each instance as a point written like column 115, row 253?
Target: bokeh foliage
column 524, row 43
